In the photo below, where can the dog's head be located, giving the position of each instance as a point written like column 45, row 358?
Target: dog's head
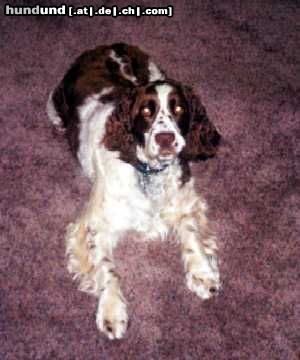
column 165, row 120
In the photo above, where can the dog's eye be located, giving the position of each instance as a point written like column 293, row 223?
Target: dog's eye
column 146, row 111
column 178, row 110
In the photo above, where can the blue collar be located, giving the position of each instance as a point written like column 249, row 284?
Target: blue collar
column 145, row 169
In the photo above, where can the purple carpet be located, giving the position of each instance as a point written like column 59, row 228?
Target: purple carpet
column 243, row 58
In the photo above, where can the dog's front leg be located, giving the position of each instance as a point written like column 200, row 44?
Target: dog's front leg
column 111, row 317
column 90, row 244
column 198, row 253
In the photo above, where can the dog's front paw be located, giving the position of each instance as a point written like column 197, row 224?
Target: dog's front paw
column 204, row 282
column 112, row 318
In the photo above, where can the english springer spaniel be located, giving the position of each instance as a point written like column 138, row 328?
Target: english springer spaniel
column 134, row 131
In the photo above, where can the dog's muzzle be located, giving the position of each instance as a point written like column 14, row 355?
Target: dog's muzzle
column 166, row 143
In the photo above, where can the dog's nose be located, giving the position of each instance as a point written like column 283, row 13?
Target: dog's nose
column 165, row 139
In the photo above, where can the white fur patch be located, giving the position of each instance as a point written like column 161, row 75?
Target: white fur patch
column 93, row 115
column 154, row 72
column 163, row 92
column 119, row 60
column 51, row 111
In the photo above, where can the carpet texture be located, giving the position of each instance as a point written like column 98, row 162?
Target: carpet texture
column 243, row 58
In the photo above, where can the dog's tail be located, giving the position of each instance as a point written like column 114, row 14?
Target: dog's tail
column 57, row 108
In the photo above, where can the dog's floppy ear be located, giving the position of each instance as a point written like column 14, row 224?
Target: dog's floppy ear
column 202, row 139
column 118, row 134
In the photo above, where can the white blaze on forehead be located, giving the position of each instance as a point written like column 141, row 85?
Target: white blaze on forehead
column 163, row 92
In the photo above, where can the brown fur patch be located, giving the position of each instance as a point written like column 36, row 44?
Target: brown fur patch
column 118, row 135
column 93, row 71
column 202, row 139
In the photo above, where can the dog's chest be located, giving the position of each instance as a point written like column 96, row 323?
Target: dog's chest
column 152, row 185
column 136, row 201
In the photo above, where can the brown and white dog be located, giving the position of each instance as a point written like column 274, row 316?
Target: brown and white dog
column 134, row 132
